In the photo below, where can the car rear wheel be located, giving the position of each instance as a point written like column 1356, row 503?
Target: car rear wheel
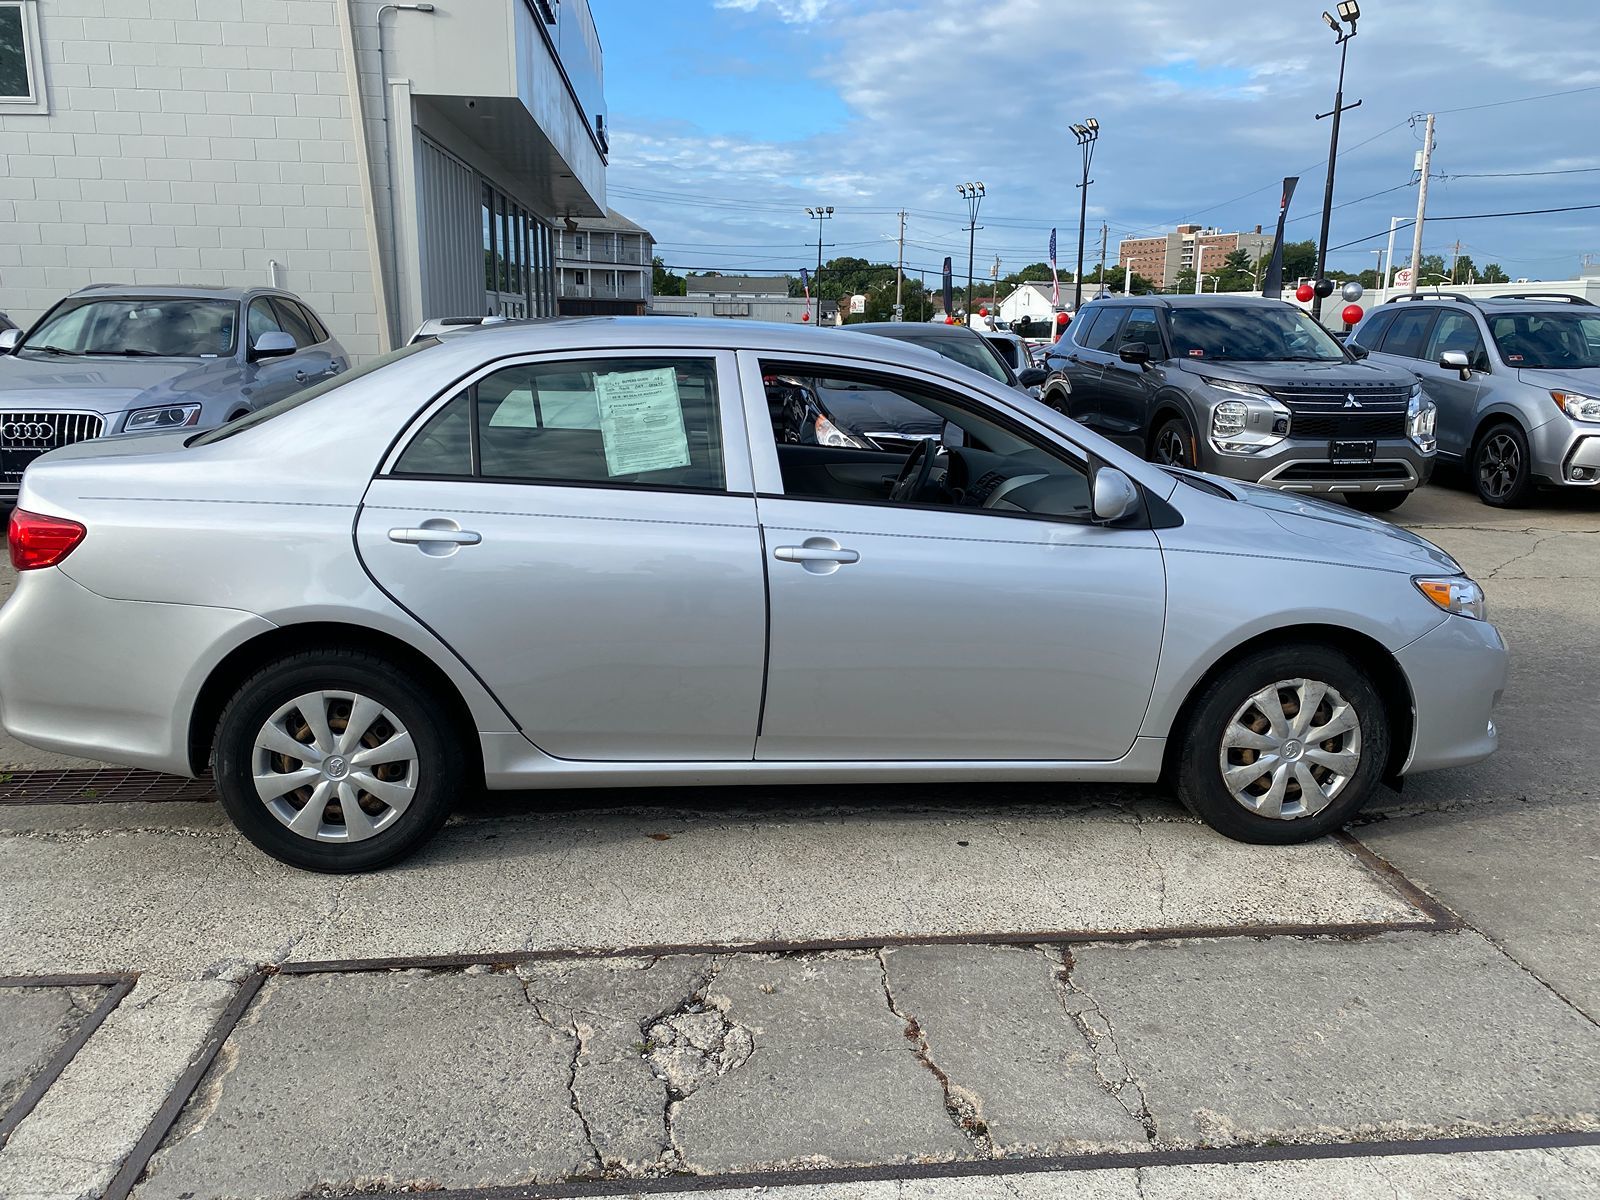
column 335, row 761
column 1173, row 444
column 1500, row 471
column 1375, row 502
column 1284, row 746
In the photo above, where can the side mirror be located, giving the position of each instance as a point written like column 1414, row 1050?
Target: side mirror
column 9, row 338
column 1032, row 376
column 1136, row 353
column 1114, row 495
column 952, row 436
column 1357, row 350
column 273, row 344
column 1456, row 360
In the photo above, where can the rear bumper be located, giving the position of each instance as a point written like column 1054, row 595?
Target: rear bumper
column 1304, row 466
column 111, row 680
column 1457, row 672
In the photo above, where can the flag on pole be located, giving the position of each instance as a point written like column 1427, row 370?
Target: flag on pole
column 805, row 283
column 1055, row 281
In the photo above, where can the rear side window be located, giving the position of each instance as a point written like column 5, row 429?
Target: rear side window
column 1371, row 332
column 631, row 422
column 1409, row 333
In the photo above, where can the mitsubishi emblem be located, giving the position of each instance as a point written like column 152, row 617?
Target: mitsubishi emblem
column 1350, row 400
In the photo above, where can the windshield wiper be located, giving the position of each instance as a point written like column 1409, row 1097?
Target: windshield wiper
column 125, row 353
column 50, row 349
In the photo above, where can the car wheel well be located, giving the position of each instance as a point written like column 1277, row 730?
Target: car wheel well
column 276, row 644
column 1164, row 411
column 1056, row 396
column 1488, row 423
column 1387, row 678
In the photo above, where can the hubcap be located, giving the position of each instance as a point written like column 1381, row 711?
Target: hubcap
column 1499, row 466
column 334, row 766
column 1290, row 749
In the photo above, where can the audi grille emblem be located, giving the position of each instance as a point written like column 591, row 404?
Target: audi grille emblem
column 27, row 431
column 1350, row 400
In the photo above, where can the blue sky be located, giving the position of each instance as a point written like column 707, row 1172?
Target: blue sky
column 728, row 117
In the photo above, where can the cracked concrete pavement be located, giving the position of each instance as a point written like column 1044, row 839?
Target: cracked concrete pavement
column 665, row 1065
column 38, row 1021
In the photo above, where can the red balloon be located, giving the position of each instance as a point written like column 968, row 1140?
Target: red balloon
column 1304, row 292
column 1062, row 318
column 805, row 316
column 949, row 320
column 984, row 311
column 1351, row 313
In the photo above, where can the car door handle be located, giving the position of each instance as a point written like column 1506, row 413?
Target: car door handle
column 424, row 537
column 804, row 554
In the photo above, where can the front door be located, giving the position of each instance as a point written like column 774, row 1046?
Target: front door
column 573, row 529
column 1456, row 398
column 269, row 379
column 1008, row 626
column 1127, row 390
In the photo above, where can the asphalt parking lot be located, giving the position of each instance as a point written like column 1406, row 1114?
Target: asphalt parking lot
column 844, row 992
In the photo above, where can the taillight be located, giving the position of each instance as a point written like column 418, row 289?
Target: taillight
column 39, row 541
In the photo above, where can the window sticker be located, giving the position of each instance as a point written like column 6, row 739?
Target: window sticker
column 641, row 421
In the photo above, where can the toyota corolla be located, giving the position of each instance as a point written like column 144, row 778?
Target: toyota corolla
column 573, row 553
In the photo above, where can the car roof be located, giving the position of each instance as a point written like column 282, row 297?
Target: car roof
column 1208, row 300
column 152, row 291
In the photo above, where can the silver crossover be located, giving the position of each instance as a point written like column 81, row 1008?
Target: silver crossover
column 577, row 553
column 1516, row 380
column 110, row 360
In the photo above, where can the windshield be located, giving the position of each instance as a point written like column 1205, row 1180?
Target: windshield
column 311, row 393
column 1560, row 341
column 138, row 327
column 974, row 352
column 1251, row 333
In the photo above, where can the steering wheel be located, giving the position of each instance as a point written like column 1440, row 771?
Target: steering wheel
column 915, row 474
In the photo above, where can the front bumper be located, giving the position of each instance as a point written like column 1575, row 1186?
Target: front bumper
column 1304, row 466
column 110, row 680
column 1566, row 452
column 1457, row 672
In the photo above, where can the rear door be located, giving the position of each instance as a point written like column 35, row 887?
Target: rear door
column 578, row 530
column 1095, row 353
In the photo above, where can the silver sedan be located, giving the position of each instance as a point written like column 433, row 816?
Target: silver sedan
column 574, row 554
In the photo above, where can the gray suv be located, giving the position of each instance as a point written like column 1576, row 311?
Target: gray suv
column 1516, row 379
column 111, row 360
column 1245, row 387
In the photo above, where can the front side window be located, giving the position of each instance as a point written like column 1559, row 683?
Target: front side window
column 293, row 322
column 1457, row 331
column 1558, row 341
column 636, row 422
column 260, row 319
column 1144, row 327
column 881, row 439
column 137, row 327
column 1250, row 333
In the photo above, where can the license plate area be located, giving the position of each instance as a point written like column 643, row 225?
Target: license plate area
column 1352, row 452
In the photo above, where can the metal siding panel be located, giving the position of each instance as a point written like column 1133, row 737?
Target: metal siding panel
column 449, row 235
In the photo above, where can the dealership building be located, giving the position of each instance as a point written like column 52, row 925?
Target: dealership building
column 387, row 162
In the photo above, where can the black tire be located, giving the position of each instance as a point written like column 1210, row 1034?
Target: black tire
column 1198, row 772
column 440, row 762
column 1056, row 399
column 1501, row 473
column 1375, row 502
column 1173, row 443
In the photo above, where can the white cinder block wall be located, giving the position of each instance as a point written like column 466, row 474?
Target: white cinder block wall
column 193, row 142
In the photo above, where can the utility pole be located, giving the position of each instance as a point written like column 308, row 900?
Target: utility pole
column 1422, row 206
column 900, row 270
column 1455, row 257
column 1349, row 11
column 972, row 193
column 1102, row 271
column 1199, row 262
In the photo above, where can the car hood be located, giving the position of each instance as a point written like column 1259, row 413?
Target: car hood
column 871, row 410
column 1322, row 531
column 109, row 385
column 1584, row 380
column 1301, row 374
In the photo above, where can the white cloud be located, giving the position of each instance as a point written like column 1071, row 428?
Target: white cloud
column 794, row 12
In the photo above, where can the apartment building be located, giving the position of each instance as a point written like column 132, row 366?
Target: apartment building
column 1164, row 257
column 387, row 162
column 604, row 267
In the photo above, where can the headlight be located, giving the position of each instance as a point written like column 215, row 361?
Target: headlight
column 172, row 416
column 1238, row 389
column 1579, row 408
column 829, row 434
column 1422, row 420
column 1228, row 418
column 1455, row 594
column 1247, row 426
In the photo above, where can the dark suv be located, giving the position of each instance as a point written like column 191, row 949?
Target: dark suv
column 1246, row 387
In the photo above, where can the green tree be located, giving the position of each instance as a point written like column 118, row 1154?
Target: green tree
column 664, row 282
column 1492, row 273
column 1299, row 261
column 1237, row 272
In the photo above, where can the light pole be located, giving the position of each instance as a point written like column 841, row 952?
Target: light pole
column 972, row 193
column 1087, row 134
column 819, row 214
column 1350, row 11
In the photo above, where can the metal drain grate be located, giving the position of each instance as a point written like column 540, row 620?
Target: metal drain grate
column 107, row 785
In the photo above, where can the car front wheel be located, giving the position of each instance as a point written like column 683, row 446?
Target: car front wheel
column 335, row 761
column 1284, row 746
column 1173, row 444
column 1500, row 469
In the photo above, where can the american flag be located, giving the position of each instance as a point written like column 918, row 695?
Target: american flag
column 805, row 282
column 1055, row 282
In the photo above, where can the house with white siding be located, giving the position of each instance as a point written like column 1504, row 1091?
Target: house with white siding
column 388, row 162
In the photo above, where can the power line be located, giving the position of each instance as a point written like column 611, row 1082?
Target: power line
column 1526, row 212
column 1518, row 100
column 1518, row 174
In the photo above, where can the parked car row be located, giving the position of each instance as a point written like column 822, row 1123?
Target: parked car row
column 548, row 554
column 111, row 360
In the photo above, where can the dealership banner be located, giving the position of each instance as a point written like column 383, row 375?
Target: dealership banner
column 1272, row 285
column 949, row 290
